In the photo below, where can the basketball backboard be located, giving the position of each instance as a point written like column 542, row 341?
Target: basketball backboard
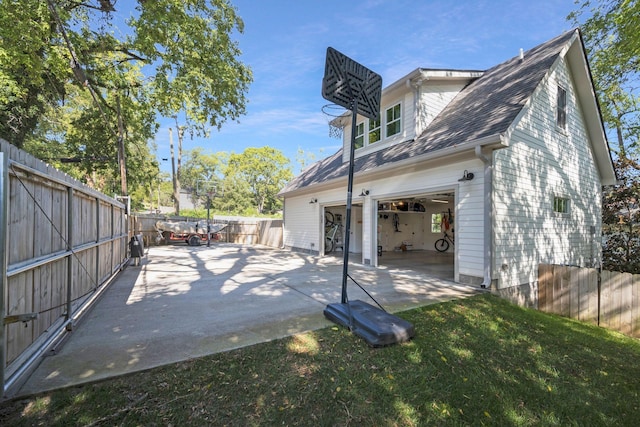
column 346, row 81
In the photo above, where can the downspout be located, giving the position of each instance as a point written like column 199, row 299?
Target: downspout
column 487, row 159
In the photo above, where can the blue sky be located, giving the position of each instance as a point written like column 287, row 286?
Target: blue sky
column 285, row 44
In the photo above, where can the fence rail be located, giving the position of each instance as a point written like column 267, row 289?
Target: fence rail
column 60, row 243
column 606, row 298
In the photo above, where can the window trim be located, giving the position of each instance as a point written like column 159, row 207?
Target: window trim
column 436, row 227
column 395, row 120
column 365, row 126
column 561, row 108
column 360, row 134
column 371, row 130
column 561, row 205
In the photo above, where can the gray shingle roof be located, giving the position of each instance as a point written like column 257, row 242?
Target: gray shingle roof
column 485, row 107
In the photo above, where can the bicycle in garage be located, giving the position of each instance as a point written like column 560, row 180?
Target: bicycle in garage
column 333, row 233
column 442, row 245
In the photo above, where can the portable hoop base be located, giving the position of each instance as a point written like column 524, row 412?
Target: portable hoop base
column 377, row 327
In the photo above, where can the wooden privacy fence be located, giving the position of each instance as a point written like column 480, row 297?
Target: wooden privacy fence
column 267, row 232
column 60, row 243
column 606, row 298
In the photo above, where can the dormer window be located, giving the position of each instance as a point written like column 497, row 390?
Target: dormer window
column 359, row 143
column 561, row 109
column 374, row 130
column 370, row 131
column 393, row 120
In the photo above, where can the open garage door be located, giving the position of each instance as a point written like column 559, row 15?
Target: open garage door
column 408, row 229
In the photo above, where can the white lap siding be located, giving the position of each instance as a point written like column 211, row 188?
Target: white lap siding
column 543, row 162
column 301, row 224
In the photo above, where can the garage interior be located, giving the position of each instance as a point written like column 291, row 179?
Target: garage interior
column 407, row 231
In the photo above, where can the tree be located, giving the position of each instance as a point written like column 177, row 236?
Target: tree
column 266, row 170
column 69, row 88
column 612, row 42
column 610, row 31
column 194, row 59
column 202, row 170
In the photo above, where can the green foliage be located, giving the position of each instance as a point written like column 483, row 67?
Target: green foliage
column 612, row 40
column 196, row 70
column 610, row 30
column 621, row 220
column 246, row 184
column 265, row 170
column 177, row 58
column 477, row 361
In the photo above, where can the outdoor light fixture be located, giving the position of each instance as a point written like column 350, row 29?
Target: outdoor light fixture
column 466, row 176
column 314, row 200
column 364, row 193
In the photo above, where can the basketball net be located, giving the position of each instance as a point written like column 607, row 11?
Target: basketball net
column 333, row 112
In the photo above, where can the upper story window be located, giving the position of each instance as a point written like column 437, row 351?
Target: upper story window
column 370, row 131
column 359, row 136
column 393, row 120
column 561, row 108
column 374, row 130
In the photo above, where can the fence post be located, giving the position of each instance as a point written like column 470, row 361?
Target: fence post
column 70, row 226
column 599, row 291
column 98, row 231
column 4, row 202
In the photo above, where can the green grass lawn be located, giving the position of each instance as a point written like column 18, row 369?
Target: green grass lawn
column 477, row 361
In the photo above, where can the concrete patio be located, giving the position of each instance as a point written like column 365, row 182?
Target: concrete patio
column 184, row 302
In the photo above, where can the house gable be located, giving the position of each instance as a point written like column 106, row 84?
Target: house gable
column 545, row 163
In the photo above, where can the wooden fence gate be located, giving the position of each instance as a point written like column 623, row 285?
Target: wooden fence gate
column 60, row 244
column 606, row 298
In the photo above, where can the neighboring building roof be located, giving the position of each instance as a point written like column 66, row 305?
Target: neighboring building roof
column 484, row 108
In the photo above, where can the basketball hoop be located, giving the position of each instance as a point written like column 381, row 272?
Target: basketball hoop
column 336, row 116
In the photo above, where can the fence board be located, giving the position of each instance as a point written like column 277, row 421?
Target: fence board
column 573, row 292
column 545, row 278
column 626, row 295
column 606, row 299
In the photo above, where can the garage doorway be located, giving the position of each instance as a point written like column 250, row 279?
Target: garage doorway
column 335, row 227
column 408, row 229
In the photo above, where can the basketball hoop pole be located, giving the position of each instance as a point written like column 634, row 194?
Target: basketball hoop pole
column 347, row 232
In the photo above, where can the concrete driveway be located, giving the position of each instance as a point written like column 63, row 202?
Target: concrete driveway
column 184, row 302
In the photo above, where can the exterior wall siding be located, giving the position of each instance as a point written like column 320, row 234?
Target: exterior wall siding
column 301, row 229
column 433, row 99
column 543, row 162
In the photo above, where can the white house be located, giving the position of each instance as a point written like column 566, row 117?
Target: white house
column 529, row 133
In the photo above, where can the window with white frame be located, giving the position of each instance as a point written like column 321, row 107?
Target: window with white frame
column 436, row 223
column 561, row 108
column 374, row 130
column 393, row 122
column 560, row 205
column 359, row 136
column 370, row 131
